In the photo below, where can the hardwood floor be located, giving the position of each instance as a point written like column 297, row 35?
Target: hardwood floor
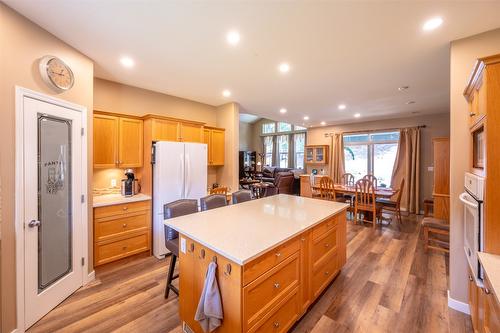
column 389, row 284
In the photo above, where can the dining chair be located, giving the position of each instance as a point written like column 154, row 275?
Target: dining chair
column 213, row 201
column 241, row 196
column 373, row 179
column 364, row 201
column 347, row 179
column 218, row 190
column 170, row 210
column 393, row 206
column 327, row 189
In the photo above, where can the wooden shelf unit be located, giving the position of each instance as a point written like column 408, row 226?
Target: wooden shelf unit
column 317, row 154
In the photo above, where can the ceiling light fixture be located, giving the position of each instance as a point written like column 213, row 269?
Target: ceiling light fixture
column 342, row 106
column 127, row 62
column 283, row 110
column 357, row 115
column 403, row 88
column 226, row 93
column 233, row 37
column 306, row 118
column 432, row 24
column 323, row 123
column 284, row 67
column 410, row 102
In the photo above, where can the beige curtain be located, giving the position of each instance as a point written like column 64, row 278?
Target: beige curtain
column 407, row 166
column 337, row 168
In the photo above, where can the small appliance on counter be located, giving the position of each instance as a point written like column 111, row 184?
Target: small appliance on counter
column 130, row 186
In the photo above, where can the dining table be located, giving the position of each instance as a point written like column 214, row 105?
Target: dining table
column 380, row 192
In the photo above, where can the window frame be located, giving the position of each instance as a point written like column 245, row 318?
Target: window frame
column 292, row 161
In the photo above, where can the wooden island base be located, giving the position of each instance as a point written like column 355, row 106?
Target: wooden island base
column 271, row 292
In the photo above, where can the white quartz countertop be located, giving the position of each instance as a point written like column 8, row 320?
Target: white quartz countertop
column 116, row 199
column 491, row 265
column 243, row 231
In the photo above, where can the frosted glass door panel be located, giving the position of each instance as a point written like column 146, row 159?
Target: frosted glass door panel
column 54, row 200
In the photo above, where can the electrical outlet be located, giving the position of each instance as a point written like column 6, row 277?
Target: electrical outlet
column 113, row 182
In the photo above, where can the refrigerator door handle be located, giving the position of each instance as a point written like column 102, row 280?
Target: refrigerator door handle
column 183, row 175
column 188, row 180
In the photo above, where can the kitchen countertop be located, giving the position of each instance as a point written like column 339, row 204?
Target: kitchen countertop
column 116, row 199
column 243, row 231
column 491, row 265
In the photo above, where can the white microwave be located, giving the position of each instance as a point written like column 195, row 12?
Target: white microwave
column 472, row 198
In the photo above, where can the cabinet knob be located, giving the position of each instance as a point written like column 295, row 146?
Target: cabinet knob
column 278, row 254
column 125, row 208
column 472, row 114
column 277, row 285
column 124, row 225
column 327, row 245
column 276, row 324
column 191, row 247
column 327, row 272
column 124, row 248
column 486, row 291
column 470, row 278
column 303, row 239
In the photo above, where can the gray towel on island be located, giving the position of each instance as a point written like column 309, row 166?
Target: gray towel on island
column 209, row 312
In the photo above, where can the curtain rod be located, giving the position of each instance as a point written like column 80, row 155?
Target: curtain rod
column 377, row 130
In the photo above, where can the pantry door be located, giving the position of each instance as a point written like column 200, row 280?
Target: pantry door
column 53, row 203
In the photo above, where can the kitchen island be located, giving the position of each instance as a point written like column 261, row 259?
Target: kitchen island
column 275, row 256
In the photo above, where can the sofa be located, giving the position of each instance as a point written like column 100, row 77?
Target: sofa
column 270, row 174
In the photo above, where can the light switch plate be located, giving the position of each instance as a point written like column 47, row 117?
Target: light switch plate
column 183, row 245
column 113, row 182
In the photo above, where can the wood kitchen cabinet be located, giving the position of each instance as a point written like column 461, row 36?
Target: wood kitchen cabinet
column 316, row 154
column 171, row 129
column 441, row 185
column 215, row 140
column 118, row 141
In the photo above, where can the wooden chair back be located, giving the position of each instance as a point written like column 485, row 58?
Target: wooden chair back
column 400, row 193
column 372, row 179
column 326, row 188
column 347, row 179
column 365, row 193
column 219, row 190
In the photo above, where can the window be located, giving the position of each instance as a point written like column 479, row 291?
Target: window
column 268, row 150
column 299, row 140
column 268, row 128
column 283, row 151
column 284, row 127
column 371, row 153
column 299, row 128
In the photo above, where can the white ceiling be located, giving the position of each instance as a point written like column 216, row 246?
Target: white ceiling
column 357, row 53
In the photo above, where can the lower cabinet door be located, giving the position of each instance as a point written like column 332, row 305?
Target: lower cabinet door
column 324, row 274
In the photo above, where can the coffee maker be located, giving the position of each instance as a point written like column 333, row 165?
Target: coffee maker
column 130, row 186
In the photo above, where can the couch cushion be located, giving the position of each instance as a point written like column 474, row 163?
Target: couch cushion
column 268, row 171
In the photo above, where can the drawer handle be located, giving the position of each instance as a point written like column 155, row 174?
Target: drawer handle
column 472, row 114
column 327, row 272
column 278, row 254
column 125, row 208
column 124, row 225
column 276, row 324
column 276, row 285
column 327, row 245
column 486, row 291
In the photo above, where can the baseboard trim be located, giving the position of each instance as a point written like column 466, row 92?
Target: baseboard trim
column 90, row 277
column 457, row 305
column 15, row 331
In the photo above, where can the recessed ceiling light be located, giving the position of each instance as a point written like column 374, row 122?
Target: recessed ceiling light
column 403, row 88
column 342, row 106
column 432, row 24
column 233, row 37
column 284, row 67
column 357, row 115
column 127, row 62
column 306, row 118
column 410, row 102
column 283, row 110
column 226, row 93
column 323, row 123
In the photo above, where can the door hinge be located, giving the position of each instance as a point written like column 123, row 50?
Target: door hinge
column 83, row 131
column 83, row 261
column 83, row 198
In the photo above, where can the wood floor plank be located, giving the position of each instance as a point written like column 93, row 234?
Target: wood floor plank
column 389, row 284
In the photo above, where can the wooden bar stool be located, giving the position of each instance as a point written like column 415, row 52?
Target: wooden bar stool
column 436, row 234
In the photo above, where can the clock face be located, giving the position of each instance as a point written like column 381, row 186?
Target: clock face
column 56, row 73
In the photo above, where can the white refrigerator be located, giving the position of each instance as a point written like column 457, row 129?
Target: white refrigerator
column 179, row 172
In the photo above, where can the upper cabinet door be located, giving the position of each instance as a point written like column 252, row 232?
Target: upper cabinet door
column 191, row 132
column 105, row 141
column 206, row 140
column 130, row 143
column 217, row 147
column 165, row 130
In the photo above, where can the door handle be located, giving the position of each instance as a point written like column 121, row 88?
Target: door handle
column 34, row 223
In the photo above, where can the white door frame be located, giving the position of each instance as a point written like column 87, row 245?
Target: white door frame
column 21, row 93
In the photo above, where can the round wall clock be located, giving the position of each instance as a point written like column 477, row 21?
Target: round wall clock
column 56, row 74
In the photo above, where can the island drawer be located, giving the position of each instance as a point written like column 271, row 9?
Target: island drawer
column 262, row 264
column 100, row 212
column 108, row 227
column 324, row 227
column 260, row 296
column 324, row 274
column 109, row 251
column 282, row 318
column 324, row 246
